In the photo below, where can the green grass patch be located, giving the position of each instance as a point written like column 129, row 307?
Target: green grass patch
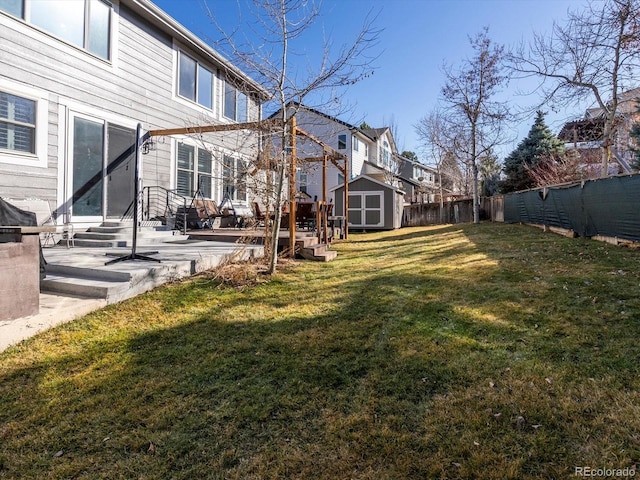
column 476, row 351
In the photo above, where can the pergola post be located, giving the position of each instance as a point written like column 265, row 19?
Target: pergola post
column 324, row 200
column 346, row 198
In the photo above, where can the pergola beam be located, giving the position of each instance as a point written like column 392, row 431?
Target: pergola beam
column 260, row 125
column 324, row 146
column 329, row 154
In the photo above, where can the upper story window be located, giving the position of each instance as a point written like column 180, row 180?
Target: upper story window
column 385, row 154
column 342, row 142
column 302, row 181
column 195, row 82
column 83, row 23
column 356, row 143
column 235, row 103
column 17, row 123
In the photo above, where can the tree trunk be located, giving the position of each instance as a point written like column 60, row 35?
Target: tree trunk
column 273, row 261
column 476, row 196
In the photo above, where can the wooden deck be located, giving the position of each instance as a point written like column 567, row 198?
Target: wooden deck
column 248, row 235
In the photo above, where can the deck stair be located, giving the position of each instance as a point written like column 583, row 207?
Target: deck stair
column 120, row 233
column 112, row 286
column 310, row 248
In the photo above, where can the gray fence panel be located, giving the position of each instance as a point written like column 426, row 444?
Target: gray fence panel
column 609, row 207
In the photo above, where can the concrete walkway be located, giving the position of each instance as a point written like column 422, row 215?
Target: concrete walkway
column 78, row 281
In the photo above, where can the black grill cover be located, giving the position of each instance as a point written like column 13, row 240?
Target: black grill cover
column 12, row 215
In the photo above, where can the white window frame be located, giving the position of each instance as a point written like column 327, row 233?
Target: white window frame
column 356, row 143
column 69, row 186
column 385, row 155
column 303, row 181
column 342, row 138
column 179, row 53
column 67, row 110
column 40, row 157
column 237, row 162
column 196, row 173
column 238, row 94
column 26, row 17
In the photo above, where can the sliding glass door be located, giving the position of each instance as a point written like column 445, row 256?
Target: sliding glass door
column 101, row 169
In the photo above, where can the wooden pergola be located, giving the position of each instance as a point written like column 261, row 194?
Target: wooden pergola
column 329, row 155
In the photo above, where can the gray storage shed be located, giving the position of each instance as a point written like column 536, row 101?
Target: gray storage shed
column 373, row 205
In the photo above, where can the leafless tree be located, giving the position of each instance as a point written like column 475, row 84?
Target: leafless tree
column 593, row 57
column 558, row 169
column 272, row 32
column 437, row 146
column 469, row 95
column 393, row 126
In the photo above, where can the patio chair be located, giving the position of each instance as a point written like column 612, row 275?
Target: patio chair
column 305, row 217
column 44, row 217
column 208, row 212
column 259, row 216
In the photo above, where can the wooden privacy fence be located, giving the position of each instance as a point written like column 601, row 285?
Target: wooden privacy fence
column 458, row 211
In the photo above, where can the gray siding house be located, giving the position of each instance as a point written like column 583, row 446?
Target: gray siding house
column 420, row 182
column 368, row 152
column 76, row 78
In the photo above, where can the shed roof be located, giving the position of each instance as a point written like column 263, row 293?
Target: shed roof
column 371, row 179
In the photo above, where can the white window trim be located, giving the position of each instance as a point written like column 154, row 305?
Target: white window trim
column 223, row 90
column 346, row 143
column 69, row 186
column 67, row 111
column 175, row 84
column 25, row 27
column 236, row 157
column 187, row 140
column 39, row 159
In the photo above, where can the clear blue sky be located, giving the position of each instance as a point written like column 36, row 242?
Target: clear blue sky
column 417, row 37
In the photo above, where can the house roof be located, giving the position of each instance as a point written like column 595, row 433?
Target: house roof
column 160, row 19
column 351, row 127
column 371, row 179
column 627, row 104
column 587, row 130
column 375, row 132
column 416, row 163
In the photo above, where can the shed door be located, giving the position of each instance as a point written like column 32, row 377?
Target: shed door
column 366, row 209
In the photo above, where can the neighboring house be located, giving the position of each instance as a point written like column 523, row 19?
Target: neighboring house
column 382, row 163
column 419, row 181
column 368, row 152
column 585, row 135
column 76, row 78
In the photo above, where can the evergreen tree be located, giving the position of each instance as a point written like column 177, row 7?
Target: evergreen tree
column 489, row 175
column 410, row 155
column 540, row 144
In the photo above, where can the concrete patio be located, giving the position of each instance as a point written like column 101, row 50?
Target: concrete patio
column 78, row 280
